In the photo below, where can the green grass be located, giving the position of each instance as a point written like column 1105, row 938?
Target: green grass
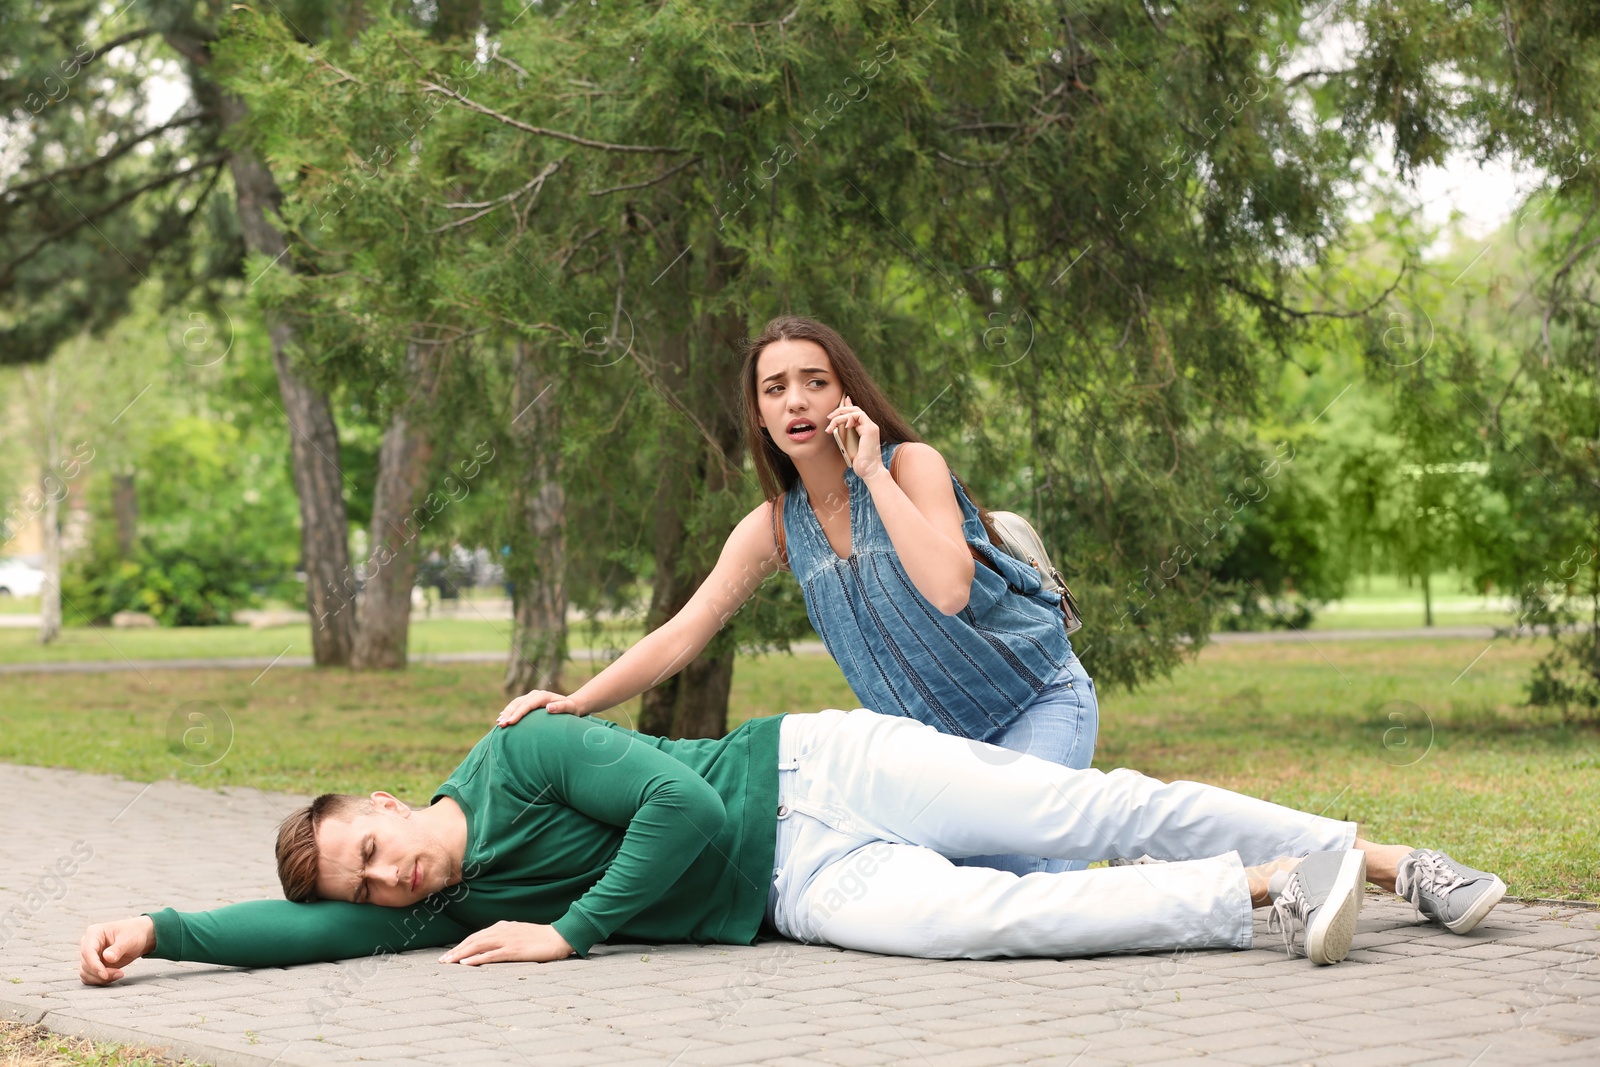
column 1384, row 602
column 308, row 731
column 1393, row 735
column 1355, row 617
column 19, row 605
column 427, row 636
column 34, row 1046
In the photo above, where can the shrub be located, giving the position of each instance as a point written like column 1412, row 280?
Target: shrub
column 177, row 588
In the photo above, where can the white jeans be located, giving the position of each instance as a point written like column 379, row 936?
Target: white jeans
column 873, row 807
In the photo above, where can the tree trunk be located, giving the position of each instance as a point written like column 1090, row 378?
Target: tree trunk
column 318, row 479
column 1427, row 599
column 400, row 512
column 55, row 490
column 50, row 591
column 694, row 703
column 125, row 505
column 538, row 560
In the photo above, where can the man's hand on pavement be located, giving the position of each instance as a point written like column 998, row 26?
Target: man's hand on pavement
column 106, row 948
column 509, row 942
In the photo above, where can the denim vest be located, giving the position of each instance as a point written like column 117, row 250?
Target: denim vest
column 967, row 674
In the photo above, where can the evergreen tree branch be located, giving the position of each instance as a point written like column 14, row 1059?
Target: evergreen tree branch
column 118, row 42
column 87, row 218
column 540, row 131
column 652, row 181
column 121, row 148
column 1303, row 313
column 510, row 198
column 990, row 165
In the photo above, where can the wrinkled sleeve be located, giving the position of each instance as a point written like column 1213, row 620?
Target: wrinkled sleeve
column 277, row 933
column 668, row 812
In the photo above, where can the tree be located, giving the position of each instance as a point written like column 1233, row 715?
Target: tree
column 43, row 399
column 1524, row 80
column 70, row 420
column 537, row 536
column 135, row 197
column 1140, row 193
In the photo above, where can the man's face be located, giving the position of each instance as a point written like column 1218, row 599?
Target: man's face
column 385, row 857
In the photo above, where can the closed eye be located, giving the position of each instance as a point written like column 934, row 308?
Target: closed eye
column 362, row 893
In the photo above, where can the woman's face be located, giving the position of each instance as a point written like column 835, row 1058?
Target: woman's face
column 795, row 390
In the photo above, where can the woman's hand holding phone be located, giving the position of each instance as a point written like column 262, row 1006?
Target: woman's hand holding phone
column 857, row 436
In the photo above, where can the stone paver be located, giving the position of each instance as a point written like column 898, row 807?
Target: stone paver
column 1524, row 988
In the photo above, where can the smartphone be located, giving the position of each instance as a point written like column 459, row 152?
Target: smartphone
column 848, row 441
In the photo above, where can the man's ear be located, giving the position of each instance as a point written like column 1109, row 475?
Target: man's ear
column 389, row 802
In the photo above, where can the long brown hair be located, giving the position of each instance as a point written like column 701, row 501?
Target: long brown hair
column 776, row 471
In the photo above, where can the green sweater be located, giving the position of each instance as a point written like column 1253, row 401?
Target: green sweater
column 573, row 822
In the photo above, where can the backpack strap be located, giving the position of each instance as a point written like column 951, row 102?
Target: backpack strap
column 1071, row 616
column 779, row 537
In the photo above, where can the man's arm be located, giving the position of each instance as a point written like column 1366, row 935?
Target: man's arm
column 669, row 813
column 264, row 933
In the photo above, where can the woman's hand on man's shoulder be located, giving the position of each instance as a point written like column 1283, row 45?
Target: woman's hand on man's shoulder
column 555, row 703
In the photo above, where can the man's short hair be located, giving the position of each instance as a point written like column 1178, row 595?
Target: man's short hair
column 297, row 841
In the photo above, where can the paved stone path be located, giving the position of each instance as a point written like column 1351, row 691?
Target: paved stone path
column 1524, row 988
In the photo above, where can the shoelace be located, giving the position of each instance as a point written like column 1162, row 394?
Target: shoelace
column 1428, row 873
column 1290, row 907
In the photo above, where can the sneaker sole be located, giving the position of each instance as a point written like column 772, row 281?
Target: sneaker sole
column 1329, row 935
column 1480, row 908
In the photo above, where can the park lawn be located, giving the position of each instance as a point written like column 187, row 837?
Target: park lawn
column 1385, row 602
column 306, row 731
column 1421, row 741
column 1356, row 618
column 427, row 637
column 19, row 605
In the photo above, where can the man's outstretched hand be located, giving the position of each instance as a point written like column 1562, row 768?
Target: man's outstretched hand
column 106, row 948
column 509, row 942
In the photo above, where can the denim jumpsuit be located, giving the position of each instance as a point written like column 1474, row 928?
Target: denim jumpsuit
column 1001, row 670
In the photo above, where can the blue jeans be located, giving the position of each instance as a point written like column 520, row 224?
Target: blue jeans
column 1060, row 726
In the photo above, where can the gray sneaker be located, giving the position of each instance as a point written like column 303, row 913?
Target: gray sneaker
column 1447, row 892
column 1323, row 895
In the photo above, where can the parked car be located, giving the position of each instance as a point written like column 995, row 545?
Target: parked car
column 18, row 577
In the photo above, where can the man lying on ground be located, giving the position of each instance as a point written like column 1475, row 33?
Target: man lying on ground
column 835, row 828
